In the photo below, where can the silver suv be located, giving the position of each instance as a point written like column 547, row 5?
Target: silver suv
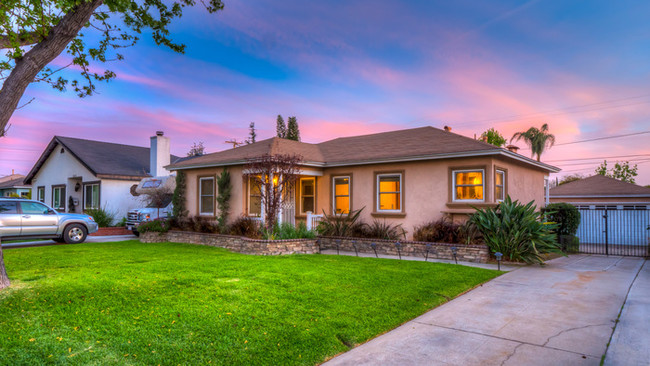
column 28, row 219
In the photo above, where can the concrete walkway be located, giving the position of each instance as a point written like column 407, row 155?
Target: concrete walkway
column 559, row 314
column 630, row 344
column 90, row 239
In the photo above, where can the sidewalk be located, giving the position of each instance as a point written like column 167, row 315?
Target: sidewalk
column 559, row 314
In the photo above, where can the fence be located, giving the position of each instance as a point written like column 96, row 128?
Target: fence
column 614, row 231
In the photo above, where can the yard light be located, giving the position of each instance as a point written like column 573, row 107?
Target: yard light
column 318, row 243
column 338, row 246
column 454, row 252
column 354, row 245
column 398, row 245
column 498, row 255
column 426, row 253
column 374, row 247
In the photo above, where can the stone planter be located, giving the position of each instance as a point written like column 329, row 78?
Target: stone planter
column 105, row 231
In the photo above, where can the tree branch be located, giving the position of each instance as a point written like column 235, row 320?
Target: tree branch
column 24, row 39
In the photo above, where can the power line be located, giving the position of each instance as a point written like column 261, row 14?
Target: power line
column 591, row 163
column 597, row 158
column 603, row 138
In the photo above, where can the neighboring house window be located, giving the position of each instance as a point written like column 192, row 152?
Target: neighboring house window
column 468, row 185
column 91, row 196
column 24, row 194
column 206, row 196
column 254, row 198
column 341, row 195
column 40, row 194
column 389, row 192
column 58, row 197
column 500, row 185
column 307, row 195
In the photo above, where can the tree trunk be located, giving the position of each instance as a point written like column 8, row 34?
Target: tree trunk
column 40, row 56
column 4, row 279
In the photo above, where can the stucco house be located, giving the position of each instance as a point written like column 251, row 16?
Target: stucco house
column 73, row 175
column 14, row 184
column 407, row 177
column 599, row 190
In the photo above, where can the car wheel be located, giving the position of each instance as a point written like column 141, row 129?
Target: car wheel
column 75, row 234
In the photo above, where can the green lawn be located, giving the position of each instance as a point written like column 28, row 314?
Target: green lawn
column 134, row 303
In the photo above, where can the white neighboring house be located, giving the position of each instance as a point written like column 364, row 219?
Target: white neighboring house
column 74, row 175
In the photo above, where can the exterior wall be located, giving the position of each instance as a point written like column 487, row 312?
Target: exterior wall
column 115, row 196
column 238, row 193
column 522, row 182
column 594, row 200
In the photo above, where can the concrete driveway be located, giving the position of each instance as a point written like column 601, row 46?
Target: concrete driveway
column 559, row 314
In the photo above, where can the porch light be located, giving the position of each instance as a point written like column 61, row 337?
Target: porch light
column 426, row 253
column 398, row 245
column 374, row 247
column 498, row 255
column 454, row 252
column 354, row 244
column 275, row 180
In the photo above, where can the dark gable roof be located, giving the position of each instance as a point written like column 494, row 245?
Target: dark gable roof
column 103, row 159
column 13, row 183
column 414, row 144
column 597, row 186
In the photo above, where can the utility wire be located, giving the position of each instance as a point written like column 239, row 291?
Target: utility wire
column 598, row 158
column 603, row 138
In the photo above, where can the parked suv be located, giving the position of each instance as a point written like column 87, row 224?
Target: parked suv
column 29, row 219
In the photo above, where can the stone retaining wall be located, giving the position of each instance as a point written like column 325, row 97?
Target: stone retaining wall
column 237, row 244
column 465, row 253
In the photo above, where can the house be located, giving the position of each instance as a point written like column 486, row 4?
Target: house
column 406, row 177
column 74, row 175
column 13, row 185
column 599, row 190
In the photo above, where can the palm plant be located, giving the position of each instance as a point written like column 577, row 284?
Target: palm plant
column 537, row 139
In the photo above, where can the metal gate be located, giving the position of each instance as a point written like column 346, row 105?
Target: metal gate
column 613, row 230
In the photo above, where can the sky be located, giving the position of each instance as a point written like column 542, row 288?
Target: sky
column 346, row 68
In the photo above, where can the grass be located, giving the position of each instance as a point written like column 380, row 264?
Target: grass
column 169, row 303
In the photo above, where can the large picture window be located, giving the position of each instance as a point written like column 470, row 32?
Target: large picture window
column 389, row 192
column 254, row 197
column 91, row 196
column 206, row 196
column 468, row 185
column 499, row 185
column 341, row 195
column 307, row 195
column 58, row 197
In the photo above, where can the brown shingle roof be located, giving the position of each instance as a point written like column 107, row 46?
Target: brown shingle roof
column 597, row 186
column 14, row 183
column 403, row 145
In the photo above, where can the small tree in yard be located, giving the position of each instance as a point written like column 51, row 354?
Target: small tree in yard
column 275, row 175
column 158, row 198
column 178, row 200
column 223, row 198
column 620, row 171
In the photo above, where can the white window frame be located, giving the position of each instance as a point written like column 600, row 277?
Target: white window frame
column 201, row 195
column 401, row 192
column 453, row 188
column 84, row 196
column 313, row 179
column 349, row 195
column 503, row 185
column 251, row 181
column 39, row 197
column 62, row 190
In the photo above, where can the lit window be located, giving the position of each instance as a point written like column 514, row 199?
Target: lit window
column 206, row 196
column 58, row 198
column 468, row 185
column 307, row 195
column 342, row 195
column 254, row 197
column 91, row 196
column 389, row 192
column 499, row 185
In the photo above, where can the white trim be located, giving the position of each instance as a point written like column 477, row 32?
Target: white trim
column 201, row 213
column 334, row 177
column 453, row 184
column 401, row 192
column 503, row 185
column 313, row 195
column 248, row 200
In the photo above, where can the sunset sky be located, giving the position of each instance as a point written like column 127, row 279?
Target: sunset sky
column 355, row 67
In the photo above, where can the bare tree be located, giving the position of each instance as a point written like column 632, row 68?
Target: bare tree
column 275, row 175
column 158, row 198
column 4, row 278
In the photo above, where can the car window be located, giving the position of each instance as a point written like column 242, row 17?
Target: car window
column 33, row 208
column 8, row 208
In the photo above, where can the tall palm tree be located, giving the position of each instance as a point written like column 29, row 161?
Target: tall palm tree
column 538, row 139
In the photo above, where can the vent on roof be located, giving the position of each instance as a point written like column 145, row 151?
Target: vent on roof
column 447, row 128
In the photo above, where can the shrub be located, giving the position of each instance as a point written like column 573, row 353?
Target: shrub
column 121, row 223
column 383, row 230
column 439, row 231
column 567, row 217
column 246, row 226
column 516, row 230
column 102, row 217
column 157, row 226
column 289, row 231
column 347, row 225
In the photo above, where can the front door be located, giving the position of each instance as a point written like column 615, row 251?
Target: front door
column 38, row 219
column 9, row 219
column 288, row 213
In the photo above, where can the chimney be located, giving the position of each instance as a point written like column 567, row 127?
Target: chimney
column 159, row 155
column 447, row 128
column 485, row 139
column 513, row 148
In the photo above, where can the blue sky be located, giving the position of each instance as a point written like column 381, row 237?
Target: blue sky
column 353, row 67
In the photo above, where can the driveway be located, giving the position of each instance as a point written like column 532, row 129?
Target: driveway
column 559, row 314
